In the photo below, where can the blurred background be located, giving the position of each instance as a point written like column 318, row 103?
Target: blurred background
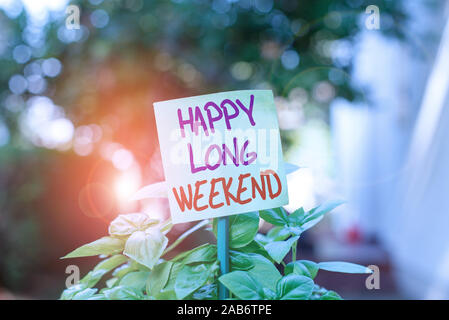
column 360, row 93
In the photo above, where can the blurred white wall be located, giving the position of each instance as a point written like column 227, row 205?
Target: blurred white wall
column 422, row 241
column 392, row 148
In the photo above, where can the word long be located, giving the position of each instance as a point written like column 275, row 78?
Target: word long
column 237, row 157
column 227, row 110
column 199, row 200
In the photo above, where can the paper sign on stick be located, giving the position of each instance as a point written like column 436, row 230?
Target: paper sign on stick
column 221, row 154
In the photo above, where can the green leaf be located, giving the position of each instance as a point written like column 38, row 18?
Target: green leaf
column 123, row 293
column 264, row 271
column 290, row 168
column 321, row 210
column 243, row 285
column 126, row 224
column 126, row 268
column 111, row 282
column 255, row 247
column 302, row 267
column 296, row 217
column 191, row 278
column 279, row 249
column 331, row 295
column 111, row 263
column 168, row 292
column 84, row 294
column 240, row 261
column 275, row 216
column 201, row 254
column 102, row 268
column 136, row 280
column 269, row 294
column 311, row 266
column 105, row 245
column 92, row 278
column 345, row 267
column 70, row 292
column 278, row 233
column 311, row 223
column 78, row 292
column 146, row 247
column 262, row 239
column 295, row 287
column 158, row 278
column 99, row 296
column 206, row 292
column 140, row 266
column 242, row 228
column 295, row 231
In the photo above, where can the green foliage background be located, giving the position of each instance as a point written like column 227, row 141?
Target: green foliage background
column 170, row 49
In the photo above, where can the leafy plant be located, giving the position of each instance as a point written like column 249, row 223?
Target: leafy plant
column 134, row 256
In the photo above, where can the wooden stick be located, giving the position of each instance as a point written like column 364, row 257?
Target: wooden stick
column 223, row 253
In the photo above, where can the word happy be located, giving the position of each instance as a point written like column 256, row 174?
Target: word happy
column 227, row 111
column 202, row 194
